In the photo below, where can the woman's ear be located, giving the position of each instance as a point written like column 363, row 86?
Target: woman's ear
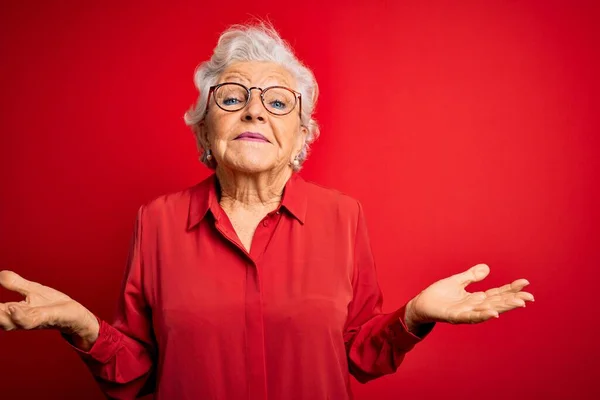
column 304, row 131
column 201, row 134
column 301, row 139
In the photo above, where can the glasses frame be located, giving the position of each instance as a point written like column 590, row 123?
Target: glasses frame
column 297, row 97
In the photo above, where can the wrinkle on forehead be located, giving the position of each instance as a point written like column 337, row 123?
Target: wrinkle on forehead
column 255, row 73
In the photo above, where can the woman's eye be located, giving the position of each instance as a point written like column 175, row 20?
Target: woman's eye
column 278, row 104
column 230, row 101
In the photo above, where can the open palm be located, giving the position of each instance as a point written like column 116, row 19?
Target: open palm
column 43, row 307
column 448, row 301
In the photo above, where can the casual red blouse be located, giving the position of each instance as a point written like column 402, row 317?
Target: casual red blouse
column 201, row 318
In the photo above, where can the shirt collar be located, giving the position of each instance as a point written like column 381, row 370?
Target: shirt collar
column 294, row 197
column 203, row 197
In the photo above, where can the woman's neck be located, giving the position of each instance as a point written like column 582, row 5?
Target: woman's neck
column 251, row 191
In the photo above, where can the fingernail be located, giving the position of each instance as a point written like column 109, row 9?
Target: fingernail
column 12, row 309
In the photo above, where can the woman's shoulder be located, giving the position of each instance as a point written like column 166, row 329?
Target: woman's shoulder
column 328, row 197
column 175, row 202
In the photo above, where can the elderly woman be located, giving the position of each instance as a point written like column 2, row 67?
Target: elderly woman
column 254, row 283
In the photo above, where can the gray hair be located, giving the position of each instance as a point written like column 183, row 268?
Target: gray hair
column 258, row 42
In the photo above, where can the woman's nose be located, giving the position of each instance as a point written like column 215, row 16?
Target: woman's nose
column 254, row 109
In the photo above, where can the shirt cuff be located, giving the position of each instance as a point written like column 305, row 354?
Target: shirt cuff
column 104, row 348
column 399, row 334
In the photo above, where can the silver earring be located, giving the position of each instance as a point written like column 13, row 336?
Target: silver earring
column 208, row 155
column 296, row 162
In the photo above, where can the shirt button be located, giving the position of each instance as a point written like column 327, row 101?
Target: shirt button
column 265, row 223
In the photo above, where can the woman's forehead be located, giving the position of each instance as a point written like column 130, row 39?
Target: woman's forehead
column 258, row 73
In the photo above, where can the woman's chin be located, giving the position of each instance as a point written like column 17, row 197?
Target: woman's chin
column 251, row 166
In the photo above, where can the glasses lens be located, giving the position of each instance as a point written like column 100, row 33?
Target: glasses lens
column 231, row 97
column 279, row 100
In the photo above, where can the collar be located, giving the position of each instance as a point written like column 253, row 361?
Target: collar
column 204, row 197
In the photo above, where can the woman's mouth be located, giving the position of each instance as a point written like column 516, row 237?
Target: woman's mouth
column 252, row 136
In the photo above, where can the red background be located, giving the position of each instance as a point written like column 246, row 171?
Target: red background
column 468, row 129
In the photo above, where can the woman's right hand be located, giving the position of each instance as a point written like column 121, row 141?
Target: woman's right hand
column 46, row 308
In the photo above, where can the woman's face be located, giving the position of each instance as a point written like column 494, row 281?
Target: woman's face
column 232, row 136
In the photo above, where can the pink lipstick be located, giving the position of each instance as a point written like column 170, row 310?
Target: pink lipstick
column 252, row 136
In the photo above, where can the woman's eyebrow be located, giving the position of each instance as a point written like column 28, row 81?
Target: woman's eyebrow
column 276, row 79
column 237, row 75
column 280, row 80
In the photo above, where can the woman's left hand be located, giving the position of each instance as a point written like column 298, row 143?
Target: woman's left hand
column 448, row 301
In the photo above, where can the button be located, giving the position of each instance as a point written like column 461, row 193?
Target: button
column 265, row 223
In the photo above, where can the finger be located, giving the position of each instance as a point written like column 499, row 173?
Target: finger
column 519, row 284
column 475, row 317
column 507, row 302
column 6, row 323
column 473, row 274
column 27, row 317
column 516, row 299
column 15, row 282
column 525, row 296
column 514, row 287
column 509, row 296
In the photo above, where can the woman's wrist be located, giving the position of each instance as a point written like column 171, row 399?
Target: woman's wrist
column 413, row 321
column 85, row 332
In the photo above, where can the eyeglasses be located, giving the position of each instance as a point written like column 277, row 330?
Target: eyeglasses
column 278, row 100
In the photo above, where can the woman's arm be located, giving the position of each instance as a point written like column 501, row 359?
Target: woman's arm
column 376, row 343
column 121, row 355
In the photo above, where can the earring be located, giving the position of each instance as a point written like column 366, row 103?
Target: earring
column 208, row 155
column 296, row 162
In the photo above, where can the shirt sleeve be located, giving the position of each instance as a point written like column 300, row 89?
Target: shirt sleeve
column 122, row 358
column 376, row 343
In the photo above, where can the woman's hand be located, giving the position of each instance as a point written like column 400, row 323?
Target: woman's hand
column 448, row 301
column 46, row 308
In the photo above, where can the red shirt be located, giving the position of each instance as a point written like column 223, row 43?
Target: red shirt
column 201, row 318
